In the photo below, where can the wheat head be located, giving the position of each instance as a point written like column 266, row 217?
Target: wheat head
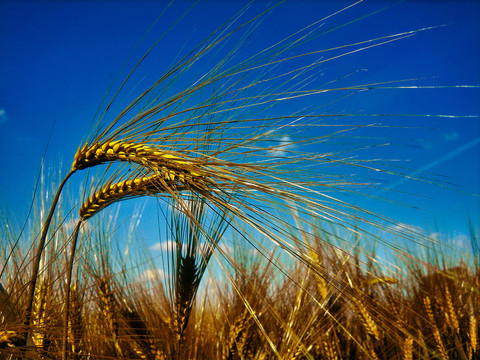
column 164, row 182
column 138, row 153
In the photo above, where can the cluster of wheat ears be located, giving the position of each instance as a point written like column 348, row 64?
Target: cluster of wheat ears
column 229, row 168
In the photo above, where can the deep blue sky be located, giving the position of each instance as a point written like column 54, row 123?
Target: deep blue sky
column 57, row 60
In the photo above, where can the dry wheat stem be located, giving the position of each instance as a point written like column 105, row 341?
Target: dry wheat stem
column 68, row 289
column 38, row 255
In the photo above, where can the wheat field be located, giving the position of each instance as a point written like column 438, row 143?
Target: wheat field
column 266, row 241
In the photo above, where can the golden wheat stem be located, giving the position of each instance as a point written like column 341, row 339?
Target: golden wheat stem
column 67, row 291
column 36, row 260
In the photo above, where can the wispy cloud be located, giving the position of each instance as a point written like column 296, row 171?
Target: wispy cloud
column 403, row 227
column 457, row 151
column 451, row 136
column 152, row 274
column 3, row 116
column 283, row 144
column 165, row 246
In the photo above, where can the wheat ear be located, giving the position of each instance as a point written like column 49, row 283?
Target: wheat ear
column 141, row 186
column 139, row 333
column 144, row 155
column 436, row 333
column 473, row 336
column 108, row 306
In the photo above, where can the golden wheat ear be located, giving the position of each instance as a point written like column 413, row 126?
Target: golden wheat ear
column 165, row 182
column 141, row 154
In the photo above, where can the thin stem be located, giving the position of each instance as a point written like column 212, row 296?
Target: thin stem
column 36, row 260
column 69, row 281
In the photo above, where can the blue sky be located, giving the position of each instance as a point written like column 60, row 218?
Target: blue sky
column 57, row 60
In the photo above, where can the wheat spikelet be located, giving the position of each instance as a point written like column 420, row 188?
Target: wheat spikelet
column 233, row 344
column 408, row 349
column 186, row 284
column 436, row 333
column 473, row 335
column 140, row 334
column 75, row 322
column 450, row 314
column 38, row 315
column 329, row 349
column 141, row 186
column 322, row 285
column 108, row 306
column 367, row 320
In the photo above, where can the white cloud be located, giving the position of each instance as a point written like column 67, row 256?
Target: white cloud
column 451, row 136
column 162, row 246
column 280, row 150
column 3, row 116
column 225, row 249
column 165, row 246
column 403, row 227
column 152, row 274
column 70, row 224
column 461, row 242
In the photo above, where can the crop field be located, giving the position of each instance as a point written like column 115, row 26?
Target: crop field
column 240, row 180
